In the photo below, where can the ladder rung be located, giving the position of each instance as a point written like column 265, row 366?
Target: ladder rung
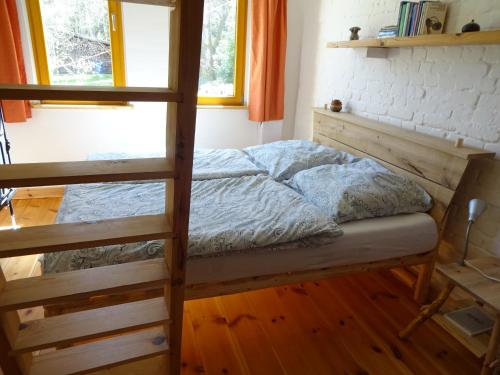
column 97, row 355
column 76, row 327
column 80, row 172
column 61, row 237
column 87, row 93
column 76, row 285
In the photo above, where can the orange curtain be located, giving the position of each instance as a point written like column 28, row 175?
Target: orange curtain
column 267, row 58
column 12, row 61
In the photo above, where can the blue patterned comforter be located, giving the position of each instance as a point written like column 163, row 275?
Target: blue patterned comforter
column 222, row 163
column 207, row 163
column 227, row 215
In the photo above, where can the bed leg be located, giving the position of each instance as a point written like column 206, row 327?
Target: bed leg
column 422, row 287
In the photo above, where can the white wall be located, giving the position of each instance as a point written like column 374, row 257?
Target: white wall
column 55, row 134
column 293, row 61
column 447, row 92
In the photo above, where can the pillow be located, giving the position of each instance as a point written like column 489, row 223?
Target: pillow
column 222, row 163
column 360, row 190
column 283, row 159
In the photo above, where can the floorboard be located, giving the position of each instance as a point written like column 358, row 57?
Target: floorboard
column 345, row 325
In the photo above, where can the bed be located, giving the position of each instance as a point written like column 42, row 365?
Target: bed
column 404, row 240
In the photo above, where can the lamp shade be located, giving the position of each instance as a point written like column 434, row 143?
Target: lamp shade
column 476, row 209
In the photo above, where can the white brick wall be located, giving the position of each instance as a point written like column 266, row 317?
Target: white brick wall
column 424, row 89
column 449, row 92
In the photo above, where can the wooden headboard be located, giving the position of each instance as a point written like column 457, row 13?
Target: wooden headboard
column 435, row 164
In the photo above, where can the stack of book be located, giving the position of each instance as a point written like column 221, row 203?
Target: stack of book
column 421, row 18
column 388, row 32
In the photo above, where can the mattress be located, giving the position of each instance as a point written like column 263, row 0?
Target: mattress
column 363, row 241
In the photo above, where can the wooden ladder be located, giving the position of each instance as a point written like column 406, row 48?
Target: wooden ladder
column 119, row 334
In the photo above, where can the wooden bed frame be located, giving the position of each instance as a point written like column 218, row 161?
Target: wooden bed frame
column 435, row 164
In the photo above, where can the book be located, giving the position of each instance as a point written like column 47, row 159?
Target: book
column 402, row 15
column 406, row 18
column 387, row 34
column 413, row 15
column 471, row 320
column 421, row 21
column 419, row 18
column 389, row 28
column 415, row 19
column 388, row 31
column 434, row 18
column 410, row 19
column 421, row 5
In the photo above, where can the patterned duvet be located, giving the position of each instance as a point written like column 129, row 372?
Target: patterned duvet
column 207, row 163
column 227, row 215
column 238, row 207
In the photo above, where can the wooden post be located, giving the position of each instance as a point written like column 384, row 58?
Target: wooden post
column 10, row 323
column 427, row 312
column 7, row 363
column 491, row 354
column 421, row 293
column 186, row 26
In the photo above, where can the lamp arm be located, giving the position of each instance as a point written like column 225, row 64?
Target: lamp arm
column 466, row 244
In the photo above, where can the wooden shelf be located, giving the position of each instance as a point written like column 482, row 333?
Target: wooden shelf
column 87, row 93
column 61, row 237
column 82, row 172
column 114, row 351
column 478, row 344
column 76, row 285
column 482, row 37
column 77, row 327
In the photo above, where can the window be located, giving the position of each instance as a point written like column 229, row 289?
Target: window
column 222, row 69
column 77, row 42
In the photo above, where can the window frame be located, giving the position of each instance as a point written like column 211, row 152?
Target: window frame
column 40, row 51
column 238, row 99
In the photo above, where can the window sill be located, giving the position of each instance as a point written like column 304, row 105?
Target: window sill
column 81, row 106
column 123, row 106
column 210, row 106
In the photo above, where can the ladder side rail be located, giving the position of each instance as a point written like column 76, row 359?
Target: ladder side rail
column 184, row 66
column 10, row 323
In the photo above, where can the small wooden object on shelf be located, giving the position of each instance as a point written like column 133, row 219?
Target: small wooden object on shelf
column 483, row 290
column 481, row 37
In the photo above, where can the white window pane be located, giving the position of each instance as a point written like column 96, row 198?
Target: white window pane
column 218, row 49
column 77, row 41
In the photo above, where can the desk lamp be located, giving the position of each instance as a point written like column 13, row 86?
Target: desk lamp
column 476, row 209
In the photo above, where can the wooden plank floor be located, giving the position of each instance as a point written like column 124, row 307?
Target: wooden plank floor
column 345, row 325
